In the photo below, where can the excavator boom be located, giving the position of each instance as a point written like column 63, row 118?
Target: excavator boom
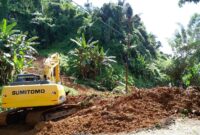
column 52, row 68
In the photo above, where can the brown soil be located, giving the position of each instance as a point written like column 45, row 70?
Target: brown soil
column 143, row 108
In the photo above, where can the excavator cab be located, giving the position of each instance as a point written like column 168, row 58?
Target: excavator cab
column 27, row 79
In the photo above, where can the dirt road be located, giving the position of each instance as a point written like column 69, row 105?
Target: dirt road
column 180, row 127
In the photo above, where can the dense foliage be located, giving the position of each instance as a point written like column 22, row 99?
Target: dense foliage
column 16, row 51
column 123, row 43
column 181, row 2
column 185, row 68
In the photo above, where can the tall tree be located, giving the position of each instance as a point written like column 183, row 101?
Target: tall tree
column 3, row 9
column 182, row 2
column 186, row 46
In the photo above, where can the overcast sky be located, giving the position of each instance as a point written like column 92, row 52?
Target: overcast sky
column 159, row 16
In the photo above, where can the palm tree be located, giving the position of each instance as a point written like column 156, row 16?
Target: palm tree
column 186, row 47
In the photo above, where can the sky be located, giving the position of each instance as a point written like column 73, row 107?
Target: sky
column 159, row 16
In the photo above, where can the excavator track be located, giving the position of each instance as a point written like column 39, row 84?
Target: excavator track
column 12, row 116
column 51, row 113
column 32, row 116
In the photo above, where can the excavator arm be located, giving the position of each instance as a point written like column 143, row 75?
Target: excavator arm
column 52, row 68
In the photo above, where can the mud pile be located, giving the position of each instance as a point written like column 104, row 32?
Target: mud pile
column 112, row 114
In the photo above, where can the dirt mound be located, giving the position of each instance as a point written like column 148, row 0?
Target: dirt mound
column 141, row 109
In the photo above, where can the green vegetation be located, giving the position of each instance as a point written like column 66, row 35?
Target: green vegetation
column 16, row 51
column 71, row 91
column 97, row 47
column 185, row 67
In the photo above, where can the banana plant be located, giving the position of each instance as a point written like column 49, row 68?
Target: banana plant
column 7, row 29
column 16, row 51
column 21, row 50
column 89, row 58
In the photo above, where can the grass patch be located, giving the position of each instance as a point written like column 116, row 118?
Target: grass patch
column 72, row 92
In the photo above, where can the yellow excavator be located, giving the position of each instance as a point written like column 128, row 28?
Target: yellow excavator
column 32, row 98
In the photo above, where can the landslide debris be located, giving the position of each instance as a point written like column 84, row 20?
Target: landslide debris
column 144, row 108
column 111, row 113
